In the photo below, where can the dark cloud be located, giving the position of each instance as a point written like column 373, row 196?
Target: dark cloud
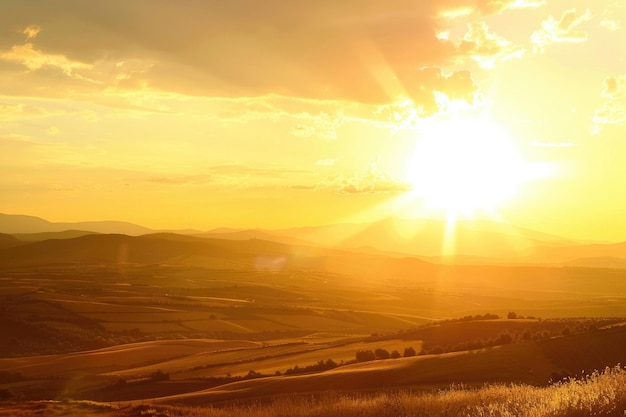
column 317, row 49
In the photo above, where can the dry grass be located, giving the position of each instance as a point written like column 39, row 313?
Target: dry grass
column 599, row 394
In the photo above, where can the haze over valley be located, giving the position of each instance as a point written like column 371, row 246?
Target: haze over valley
column 312, row 209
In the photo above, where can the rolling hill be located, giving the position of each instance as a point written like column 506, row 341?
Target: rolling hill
column 8, row 241
column 533, row 363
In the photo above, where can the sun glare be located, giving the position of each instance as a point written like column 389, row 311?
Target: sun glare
column 463, row 167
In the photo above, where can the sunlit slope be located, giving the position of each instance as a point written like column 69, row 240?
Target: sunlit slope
column 117, row 358
column 471, row 241
column 427, row 237
column 532, row 363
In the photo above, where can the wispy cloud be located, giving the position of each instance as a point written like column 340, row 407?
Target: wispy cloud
column 31, row 31
column 564, row 30
column 486, row 47
column 323, row 126
column 14, row 112
column 228, row 61
column 34, row 59
column 370, row 181
column 613, row 110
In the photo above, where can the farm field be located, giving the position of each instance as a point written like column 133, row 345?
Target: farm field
column 191, row 332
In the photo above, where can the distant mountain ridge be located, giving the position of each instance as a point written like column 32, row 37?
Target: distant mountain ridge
column 472, row 242
column 18, row 223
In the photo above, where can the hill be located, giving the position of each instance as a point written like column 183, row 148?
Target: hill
column 8, row 241
column 169, row 248
column 426, row 237
column 600, row 394
column 533, row 363
column 14, row 223
column 147, row 249
column 37, row 237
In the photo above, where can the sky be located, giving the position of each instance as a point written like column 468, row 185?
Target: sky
column 273, row 114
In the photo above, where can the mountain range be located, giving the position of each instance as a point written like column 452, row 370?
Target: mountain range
column 471, row 242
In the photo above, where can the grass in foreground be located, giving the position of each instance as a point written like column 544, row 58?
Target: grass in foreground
column 598, row 394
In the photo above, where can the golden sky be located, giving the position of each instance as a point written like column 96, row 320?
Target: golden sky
column 241, row 113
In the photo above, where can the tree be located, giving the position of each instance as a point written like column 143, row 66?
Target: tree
column 5, row 394
column 512, row 315
column 365, row 355
column 409, row 351
column 395, row 354
column 381, row 353
column 503, row 338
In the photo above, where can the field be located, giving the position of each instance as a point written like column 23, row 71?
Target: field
column 599, row 393
column 333, row 328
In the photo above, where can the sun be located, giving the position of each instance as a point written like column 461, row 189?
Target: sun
column 463, row 167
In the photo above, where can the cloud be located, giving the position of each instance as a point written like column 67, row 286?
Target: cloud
column 328, row 162
column 370, row 181
column 31, row 31
column 190, row 179
column 10, row 112
column 53, row 130
column 436, row 91
column 20, row 151
column 240, row 48
column 230, row 177
column 486, row 47
column 35, row 59
column 610, row 24
column 323, row 126
column 564, row 30
column 613, row 110
column 525, row 4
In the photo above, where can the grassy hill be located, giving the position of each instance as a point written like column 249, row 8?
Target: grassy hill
column 599, row 394
column 216, row 372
